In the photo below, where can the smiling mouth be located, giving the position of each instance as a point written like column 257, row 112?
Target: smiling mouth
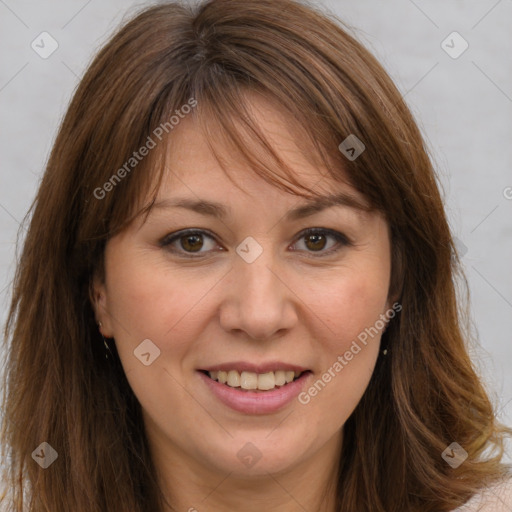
column 250, row 381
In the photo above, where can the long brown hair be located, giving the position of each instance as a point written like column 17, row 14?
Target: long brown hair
column 61, row 389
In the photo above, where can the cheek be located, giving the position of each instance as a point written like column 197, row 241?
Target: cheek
column 147, row 303
column 352, row 298
column 352, row 305
column 147, row 300
column 141, row 294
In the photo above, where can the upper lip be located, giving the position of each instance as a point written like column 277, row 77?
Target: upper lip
column 271, row 366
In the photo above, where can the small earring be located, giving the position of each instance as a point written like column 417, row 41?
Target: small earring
column 107, row 348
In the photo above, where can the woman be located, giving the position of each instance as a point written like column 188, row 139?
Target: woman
column 237, row 291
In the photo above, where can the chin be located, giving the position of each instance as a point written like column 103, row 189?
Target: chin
column 258, row 454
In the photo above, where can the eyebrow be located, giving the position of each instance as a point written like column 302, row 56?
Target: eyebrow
column 221, row 211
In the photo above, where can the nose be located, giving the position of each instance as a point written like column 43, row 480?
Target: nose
column 258, row 301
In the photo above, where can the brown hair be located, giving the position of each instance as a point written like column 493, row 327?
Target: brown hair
column 59, row 387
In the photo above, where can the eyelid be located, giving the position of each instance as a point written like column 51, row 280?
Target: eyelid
column 341, row 239
column 167, row 240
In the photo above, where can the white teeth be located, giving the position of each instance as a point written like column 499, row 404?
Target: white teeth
column 289, row 376
column 266, row 381
column 280, row 379
column 233, row 379
column 248, row 380
column 252, row 381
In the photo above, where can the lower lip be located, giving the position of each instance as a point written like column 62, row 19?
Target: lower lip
column 251, row 402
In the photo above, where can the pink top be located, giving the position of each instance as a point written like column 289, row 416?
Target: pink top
column 497, row 498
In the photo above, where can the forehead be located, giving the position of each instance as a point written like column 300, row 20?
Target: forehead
column 196, row 182
column 201, row 159
column 212, row 165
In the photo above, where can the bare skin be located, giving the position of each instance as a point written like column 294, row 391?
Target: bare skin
column 300, row 302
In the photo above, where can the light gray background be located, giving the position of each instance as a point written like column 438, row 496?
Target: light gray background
column 463, row 106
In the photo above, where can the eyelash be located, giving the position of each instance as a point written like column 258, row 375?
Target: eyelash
column 341, row 239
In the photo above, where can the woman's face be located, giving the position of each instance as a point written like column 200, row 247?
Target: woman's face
column 252, row 295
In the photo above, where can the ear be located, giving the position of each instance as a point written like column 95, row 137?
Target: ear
column 98, row 297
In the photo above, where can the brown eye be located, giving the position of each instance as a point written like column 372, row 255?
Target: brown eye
column 194, row 243
column 315, row 242
column 190, row 243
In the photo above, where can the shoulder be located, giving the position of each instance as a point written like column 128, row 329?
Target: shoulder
column 496, row 498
